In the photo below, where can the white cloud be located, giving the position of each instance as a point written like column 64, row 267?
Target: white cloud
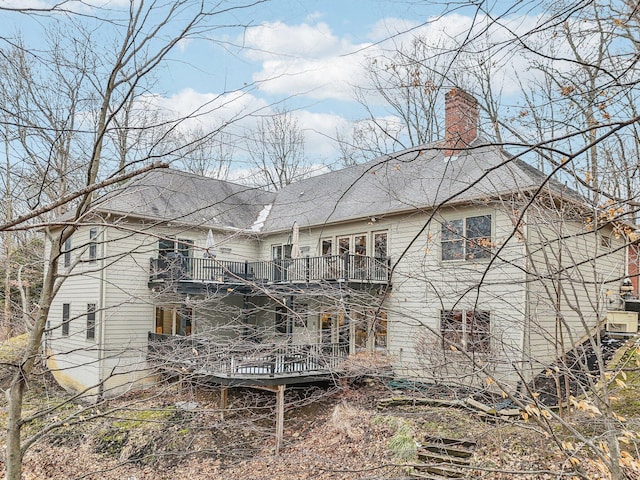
column 310, row 60
column 206, row 110
column 391, row 27
column 183, row 43
column 304, row 59
column 25, row 4
column 279, row 40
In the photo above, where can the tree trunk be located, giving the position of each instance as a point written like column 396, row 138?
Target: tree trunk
column 13, row 452
column 14, row 449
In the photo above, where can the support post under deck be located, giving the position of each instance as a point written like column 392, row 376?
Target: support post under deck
column 279, row 417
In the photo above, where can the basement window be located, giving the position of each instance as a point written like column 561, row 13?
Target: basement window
column 91, row 321
column 65, row 319
column 466, row 330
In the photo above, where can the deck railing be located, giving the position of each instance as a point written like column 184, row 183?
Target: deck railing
column 347, row 267
column 198, row 355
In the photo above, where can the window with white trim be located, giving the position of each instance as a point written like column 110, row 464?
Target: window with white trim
column 91, row 321
column 466, row 238
column 466, row 330
column 67, row 253
column 66, row 307
column 93, row 245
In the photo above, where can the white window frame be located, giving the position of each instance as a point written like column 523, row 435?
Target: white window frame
column 463, row 338
column 448, row 235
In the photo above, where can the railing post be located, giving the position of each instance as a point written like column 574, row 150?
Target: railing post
column 246, row 269
column 307, row 268
column 346, row 265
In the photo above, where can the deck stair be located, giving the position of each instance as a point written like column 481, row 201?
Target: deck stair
column 442, row 458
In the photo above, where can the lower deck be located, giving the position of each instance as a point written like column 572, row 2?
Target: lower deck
column 245, row 363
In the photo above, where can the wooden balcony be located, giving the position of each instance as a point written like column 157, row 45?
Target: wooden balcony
column 244, row 363
column 345, row 268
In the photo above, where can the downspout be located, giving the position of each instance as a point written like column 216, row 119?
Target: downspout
column 101, row 310
column 527, row 300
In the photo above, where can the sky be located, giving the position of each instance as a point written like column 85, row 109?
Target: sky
column 305, row 56
column 308, row 54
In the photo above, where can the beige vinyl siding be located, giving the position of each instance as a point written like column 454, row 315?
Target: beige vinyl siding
column 310, row 238
column 423, row 285
column 131, row 304
column 567, row 275
column 75, row 359
column 128, row 314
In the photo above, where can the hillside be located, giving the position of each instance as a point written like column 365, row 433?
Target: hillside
column 367, row 428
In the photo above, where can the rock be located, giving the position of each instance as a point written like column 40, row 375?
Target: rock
column 187, row 406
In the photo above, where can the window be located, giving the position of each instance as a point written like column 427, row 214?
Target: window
column 165, row 247
column 327, row 247
column 91, row 321
column 281, row 252
column 360, row 244
column 168, row 246
column 293, row 315
column 67, row 252
column 93, row 245
column 176, row 255
column 300, row 315
column 282, row 325
column 466, row 239
column 466, row 330
column 186, row 321
column 380, row 244
column 370, row 329
column 344, row 244
column 65, row 319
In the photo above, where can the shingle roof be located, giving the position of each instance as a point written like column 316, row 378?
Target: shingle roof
column 172, row 195
column 415, row 178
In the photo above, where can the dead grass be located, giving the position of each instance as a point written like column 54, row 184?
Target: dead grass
column 341, row 435
column 12, row 350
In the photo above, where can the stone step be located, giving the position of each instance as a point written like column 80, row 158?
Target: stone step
column 445, row 471
column 428, row 476
column 448, row 450
column 435, row 457
column 464, row 442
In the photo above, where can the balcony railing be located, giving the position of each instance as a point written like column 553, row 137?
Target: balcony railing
column 200, row 356
column 347, row 267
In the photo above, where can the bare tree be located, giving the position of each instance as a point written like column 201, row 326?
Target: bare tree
column 66, row 154
column 277, row 150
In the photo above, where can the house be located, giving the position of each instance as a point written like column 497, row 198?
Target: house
column 454, row 259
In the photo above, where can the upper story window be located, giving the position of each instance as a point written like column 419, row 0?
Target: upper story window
column 327, row 247
column 169, row 245
column 380, row 244
column 67, row 252
column 281, row 252
column 93, row 245
column 466, row 238
column 344, row 245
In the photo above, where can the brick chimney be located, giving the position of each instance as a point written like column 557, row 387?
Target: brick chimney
column 461, row 121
